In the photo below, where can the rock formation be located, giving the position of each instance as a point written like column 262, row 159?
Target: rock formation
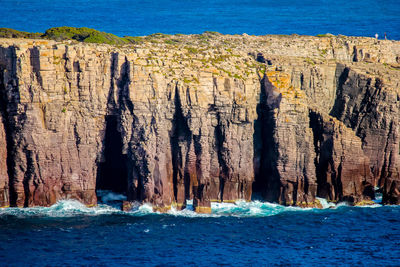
column 205, row 117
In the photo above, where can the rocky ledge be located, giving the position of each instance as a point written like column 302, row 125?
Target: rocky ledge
column 206, row 117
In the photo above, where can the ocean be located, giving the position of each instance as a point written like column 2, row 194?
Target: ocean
column 239, row 234
column 259, row 17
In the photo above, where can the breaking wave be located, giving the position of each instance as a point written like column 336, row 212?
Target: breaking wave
column 71, row 208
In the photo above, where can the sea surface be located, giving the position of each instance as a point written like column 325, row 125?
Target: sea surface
column 259, row 17
column 240, row 234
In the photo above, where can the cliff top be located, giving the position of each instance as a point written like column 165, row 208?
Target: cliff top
column 88, row 35
column 237, row 56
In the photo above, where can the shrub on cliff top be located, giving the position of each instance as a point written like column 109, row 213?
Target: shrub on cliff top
column 11, row 33
column 134, row 39
column 83, row 34
column 325, row 35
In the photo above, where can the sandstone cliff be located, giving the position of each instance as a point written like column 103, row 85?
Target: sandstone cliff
column 205, row 117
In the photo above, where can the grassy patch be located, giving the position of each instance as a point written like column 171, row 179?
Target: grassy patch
column 158, row 35
column 310, row 61
column 134, row 39
column 11, row 33
column 324, row 52
column 211, row 33
column 192, row 50
column 171, row 41
column 324, row 35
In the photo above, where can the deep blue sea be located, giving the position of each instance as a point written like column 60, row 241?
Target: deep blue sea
column 240, row 234
column 143, row 17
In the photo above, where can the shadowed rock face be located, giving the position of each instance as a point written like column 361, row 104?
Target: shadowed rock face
column 342, row 169
column 371, row 109
column 289, row 118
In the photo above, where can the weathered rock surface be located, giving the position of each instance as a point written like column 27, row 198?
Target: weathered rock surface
column 4, row 190
column 342, row 168
column 292, row 118
column 287, row 152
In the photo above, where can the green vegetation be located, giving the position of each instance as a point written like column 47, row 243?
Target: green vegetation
column 171, row 41
column 237, row 76
column 158, row 35
column 134, row 40
column 192, row 50
column 309, row 61
column 219, row 58
column 83, row 35
column 325, row 35
column 187, row 80
column 324, row 52
column 11, row 33
column 211, row 33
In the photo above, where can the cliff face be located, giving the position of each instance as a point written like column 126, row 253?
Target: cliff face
column 290, row 118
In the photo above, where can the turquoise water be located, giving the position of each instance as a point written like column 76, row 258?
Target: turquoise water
column 142, row 17
column 240, row 234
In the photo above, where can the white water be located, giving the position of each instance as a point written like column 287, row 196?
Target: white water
column 109, row 196
column 111, row 205
column 325, row 204
column 70, row 208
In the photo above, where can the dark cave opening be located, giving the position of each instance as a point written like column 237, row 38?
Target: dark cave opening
column 260, row 181
column 112, row 173
column 6, row 194
column 180, row 137
column 266, row 185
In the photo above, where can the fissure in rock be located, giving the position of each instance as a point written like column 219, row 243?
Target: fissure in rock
column 267, row 181
column 112, row 173
column 338, row 109
column 4, row 192
column 181, row 139
column 323, row 162
column 28, row 177
column 224, row 170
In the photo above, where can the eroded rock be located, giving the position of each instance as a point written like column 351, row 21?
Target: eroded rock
column 291, row 118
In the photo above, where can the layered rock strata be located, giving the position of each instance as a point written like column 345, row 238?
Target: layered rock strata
column 205, row 117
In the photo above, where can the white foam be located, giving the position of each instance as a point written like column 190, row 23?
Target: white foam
column 251, row 209
column 325, row 204
column 188, row 212
column 342, row 204
column 143, row 209
column 378, row 198
column 108, row 196
column 370, row 206
column 69, row 208
column 63, row 208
